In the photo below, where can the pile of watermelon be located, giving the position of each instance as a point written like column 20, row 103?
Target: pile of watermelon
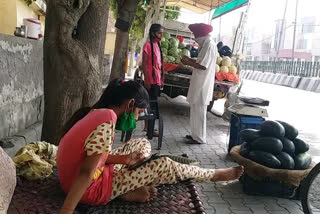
column 276, row 145
column 172, row 49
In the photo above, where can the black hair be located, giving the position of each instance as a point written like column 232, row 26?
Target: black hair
column 152, row 35
column 114, row 95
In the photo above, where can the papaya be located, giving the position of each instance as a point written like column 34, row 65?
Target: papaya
column 272, row 128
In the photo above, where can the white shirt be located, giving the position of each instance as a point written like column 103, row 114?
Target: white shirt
column 202, row 81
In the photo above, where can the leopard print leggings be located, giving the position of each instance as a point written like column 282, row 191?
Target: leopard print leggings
column 159, row 171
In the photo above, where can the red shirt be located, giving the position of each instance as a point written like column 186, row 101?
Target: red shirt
column 90, row 136
column 156, row 63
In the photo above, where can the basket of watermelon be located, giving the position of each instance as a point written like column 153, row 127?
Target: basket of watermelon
column 274, row 157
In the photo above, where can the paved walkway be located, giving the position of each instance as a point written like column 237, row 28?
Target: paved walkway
column 220, row 198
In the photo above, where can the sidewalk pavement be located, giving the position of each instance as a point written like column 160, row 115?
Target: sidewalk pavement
column 220, row 197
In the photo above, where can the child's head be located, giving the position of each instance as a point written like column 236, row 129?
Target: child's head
column 127, row 95
column 155, row 32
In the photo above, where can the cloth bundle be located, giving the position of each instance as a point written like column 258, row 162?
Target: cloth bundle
column 36, row 160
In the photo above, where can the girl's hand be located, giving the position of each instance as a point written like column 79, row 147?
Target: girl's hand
column 135, row 158
column 65, row 211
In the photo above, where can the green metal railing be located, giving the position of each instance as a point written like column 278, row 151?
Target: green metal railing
column 296, row 68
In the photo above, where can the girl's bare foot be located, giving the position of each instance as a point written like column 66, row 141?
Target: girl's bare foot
column 228, row 174
column 142, row 194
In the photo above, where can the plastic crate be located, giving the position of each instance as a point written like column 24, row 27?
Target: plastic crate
column 269, row 187
column 240, row 122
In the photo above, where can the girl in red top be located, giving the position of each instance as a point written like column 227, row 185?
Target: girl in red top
column 152, row 62
column 91, row 172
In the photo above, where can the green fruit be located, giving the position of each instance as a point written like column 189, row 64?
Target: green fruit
column 288, row 146
column 300, row 146
column 271, row 128
column 302, row 161
column 286, row 160
column 264, row 158
column 291, row 132
column 267, row 144
column 249, row 135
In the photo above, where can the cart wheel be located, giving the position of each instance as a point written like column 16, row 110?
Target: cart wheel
column 310, row 194
column 210, row 105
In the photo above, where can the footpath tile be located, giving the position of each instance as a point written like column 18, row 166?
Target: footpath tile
column 220, row 197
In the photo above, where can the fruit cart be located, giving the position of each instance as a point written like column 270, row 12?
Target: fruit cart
column 177, row 81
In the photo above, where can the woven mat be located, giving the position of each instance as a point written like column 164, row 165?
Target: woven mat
column 46, row 197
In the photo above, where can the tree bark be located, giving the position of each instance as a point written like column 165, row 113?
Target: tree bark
column 120, row 55
column 74, row 41
column 126, row 13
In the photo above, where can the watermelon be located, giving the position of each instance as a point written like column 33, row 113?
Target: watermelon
column 272, row 128
column 249, row 135
column 171, row 59
column 181, row 46
column 291, row 132
column 166, row 35
column 164, row 45
column 267, row 144
column 164, row 51
column 173, row 43
column 245, row 149
column 302, row 161
column 178, row 61
column 286, row 160
column 264, row 158
column 288, row 146
column 300, row 146
column 186, row 52
column 173, row 52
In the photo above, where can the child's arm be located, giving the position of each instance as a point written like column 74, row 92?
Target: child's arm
column 80, row 184
column 129, row 160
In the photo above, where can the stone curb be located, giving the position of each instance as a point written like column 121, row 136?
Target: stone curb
column 33, row 133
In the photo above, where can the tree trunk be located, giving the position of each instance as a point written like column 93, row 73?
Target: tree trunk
column 120, row 55
column 74, row 41
column 133, row 51
column 125, row 16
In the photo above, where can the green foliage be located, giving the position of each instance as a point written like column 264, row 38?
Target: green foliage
column 114, row 8
column 138, row 24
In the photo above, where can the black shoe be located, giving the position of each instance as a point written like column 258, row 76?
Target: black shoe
column 189, row 137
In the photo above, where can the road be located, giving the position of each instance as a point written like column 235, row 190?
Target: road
column 297, row 107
